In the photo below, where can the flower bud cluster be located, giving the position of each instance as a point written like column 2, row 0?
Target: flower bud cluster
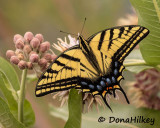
column 32, row 52
column 145, row 91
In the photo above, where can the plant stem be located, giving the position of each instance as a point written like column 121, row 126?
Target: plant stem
column 134, row 64
column 22, row 95
column 75, row 109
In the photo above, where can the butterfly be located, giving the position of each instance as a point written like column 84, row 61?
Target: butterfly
column 94, row 65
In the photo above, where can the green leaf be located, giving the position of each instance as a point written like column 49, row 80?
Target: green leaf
column 149, row 16
column 29, row 116
column 9, row 94
column 10, row 73
column 75, row 109
column 6, row 86
column 7, row 120
column 135, row 63
column 90, row 119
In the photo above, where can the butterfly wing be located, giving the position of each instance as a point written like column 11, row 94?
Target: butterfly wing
column 117, row 42
column 65, row 72
column 113, row 45
column 110, row 48
column 92, row 63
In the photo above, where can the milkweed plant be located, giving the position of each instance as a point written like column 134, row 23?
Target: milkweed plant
column 34, row 54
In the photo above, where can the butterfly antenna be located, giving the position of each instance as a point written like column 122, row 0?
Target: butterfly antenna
column 68, row 33
column 83, row 25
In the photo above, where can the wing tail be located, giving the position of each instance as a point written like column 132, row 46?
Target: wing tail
column 105, row 101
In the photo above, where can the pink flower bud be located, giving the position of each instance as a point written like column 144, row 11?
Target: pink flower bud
column 18, row 51
column 54, row 57
column 44, row 68
column 48, row 57
column 16, row 37
column 44, row 47
column 14, row 60
column 35, row 43
column 32, row 52
column 19, row 44
column 20, row 56
column 47, row 44
column 42, row 62
column 34, row 58
column 9, row 54
column 27, row 48
column 39, row 37
column 28, row 36
column 22, row 64
column 29, row 65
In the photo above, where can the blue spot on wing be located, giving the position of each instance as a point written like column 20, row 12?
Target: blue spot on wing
column 115, row 72
column 99, row 88
column 91, row 86
column 113, row 80
column 84, row 83
column 102, row 83
column 108, row 81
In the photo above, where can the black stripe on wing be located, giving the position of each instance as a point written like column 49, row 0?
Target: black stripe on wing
column 110, row 38
column 101, row 39
column 121, row 32
column 70, row 57
column 49, row 70
column 62, row 64
column 59, row 83
column 84, row 66
column 117, row 27
column 127, row 44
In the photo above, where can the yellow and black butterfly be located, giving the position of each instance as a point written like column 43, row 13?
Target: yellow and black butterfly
column 95, row 65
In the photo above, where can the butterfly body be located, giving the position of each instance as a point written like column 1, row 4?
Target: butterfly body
column 95, row 65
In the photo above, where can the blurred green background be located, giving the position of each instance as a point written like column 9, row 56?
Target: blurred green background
column 48, row 18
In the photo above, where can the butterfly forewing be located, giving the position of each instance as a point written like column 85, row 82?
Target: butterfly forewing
column 117, row 42
column 65, row 72
column 62, row 73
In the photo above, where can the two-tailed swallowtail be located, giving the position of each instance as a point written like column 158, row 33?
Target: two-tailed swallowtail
column 95, row 65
